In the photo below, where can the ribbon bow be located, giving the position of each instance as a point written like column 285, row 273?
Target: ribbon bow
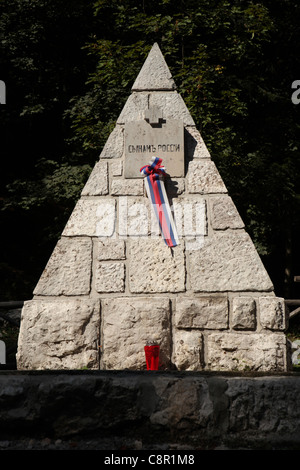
column 156, row 192
column 155, row 169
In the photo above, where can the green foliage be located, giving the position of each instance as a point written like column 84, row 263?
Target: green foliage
column 50, row 186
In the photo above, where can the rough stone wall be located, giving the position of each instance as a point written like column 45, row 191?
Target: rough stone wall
column 154, row 410
column 111, row 283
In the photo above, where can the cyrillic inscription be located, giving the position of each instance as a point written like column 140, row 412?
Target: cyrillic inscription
column 154, row 148
column 143, row 141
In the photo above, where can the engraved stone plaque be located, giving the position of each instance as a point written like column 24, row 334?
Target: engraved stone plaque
column 157, row 137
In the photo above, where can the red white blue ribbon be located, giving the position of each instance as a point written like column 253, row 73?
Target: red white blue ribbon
column 156, row 192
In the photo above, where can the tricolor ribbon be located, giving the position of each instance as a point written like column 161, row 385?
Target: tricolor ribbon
column 156, row 192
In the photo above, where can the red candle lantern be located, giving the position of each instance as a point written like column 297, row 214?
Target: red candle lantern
column 152, row 355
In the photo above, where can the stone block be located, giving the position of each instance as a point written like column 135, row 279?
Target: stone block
column 155, row 74
column 202, row 312
column 224, row 213
column 174, row 186
column 273, row 315
column 187, row 350
column 68, row 271
column 190, row 217
column 135, row 216
column 228, row 261
column 128, row 323
column 181, row 403
column 247, row 352
column 143, row 140
column 114, row 146
column 134, row 108
column 194, row 144
column 116, row 168
column 97, row 184
column 204, row 178
column 172, row 105
column 110, row 249
column 110, row 277
column 122, row 187
column 59, row 334
column 243, row 313
column 92, row 217
column 153, row 267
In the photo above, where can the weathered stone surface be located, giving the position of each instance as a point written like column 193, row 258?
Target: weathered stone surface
column 153, row 267
column 228, row 261
column 114, row 146
column 122, row 187
column 182, row 402
column 187, row 350
column 224, row 213
column 194, row 144
column 273, row 313
column 110, row 277
column 255, row 412
column 204, row 178
column 174, row 186
column 59, row 334
column 135, row 215
column 110, row 249
column 116, row 168
column 190, row 217
column 68, row 271
column 143, row 140
column 97, row 184
column 295, row 349
column 154, row 74
column 202, row 312
column 128, row 323
column 243, row 313
column 252, row 351
column 92, row 217
column 134, row 108
column 265, row 406
column 172, row 105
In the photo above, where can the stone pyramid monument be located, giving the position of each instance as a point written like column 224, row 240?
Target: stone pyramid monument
column 111, row 283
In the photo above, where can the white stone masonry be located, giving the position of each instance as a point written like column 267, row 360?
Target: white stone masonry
column 111, row 283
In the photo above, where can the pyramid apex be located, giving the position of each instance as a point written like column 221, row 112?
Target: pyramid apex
column 154, row 74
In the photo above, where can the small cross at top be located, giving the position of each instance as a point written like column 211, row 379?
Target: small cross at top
column 153, row 114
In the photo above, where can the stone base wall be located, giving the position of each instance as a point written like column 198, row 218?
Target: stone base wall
column 151, row 410
column 218, row 333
